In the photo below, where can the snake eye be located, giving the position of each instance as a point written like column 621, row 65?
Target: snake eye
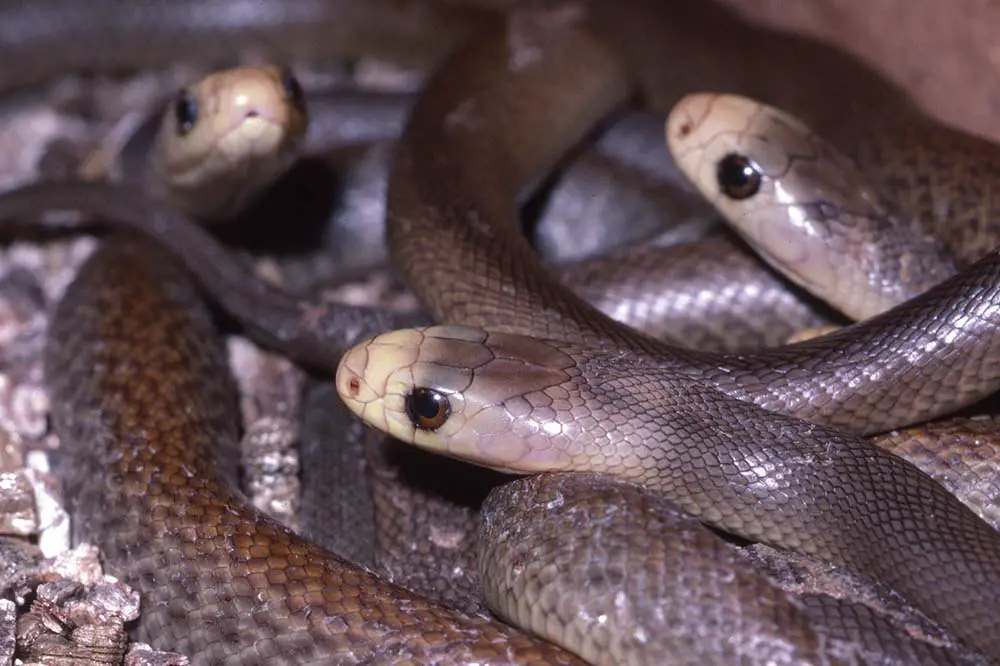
column 428, row 409
column 739, row 177
column 185, row 112
column 292, row 87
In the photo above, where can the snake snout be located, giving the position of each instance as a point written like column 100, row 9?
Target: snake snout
column 686, row 118
column 350, row 380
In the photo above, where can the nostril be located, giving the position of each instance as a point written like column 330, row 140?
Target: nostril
column 354, row 386
column 252, row 113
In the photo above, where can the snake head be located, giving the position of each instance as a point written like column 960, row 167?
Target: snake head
column 491, row 399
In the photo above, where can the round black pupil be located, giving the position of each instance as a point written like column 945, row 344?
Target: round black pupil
column 738, row 176
column 186, row 112
column 424, row 405
column 292, row 87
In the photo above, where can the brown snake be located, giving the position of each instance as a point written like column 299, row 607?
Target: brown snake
column 381, row 622
column 595, row 396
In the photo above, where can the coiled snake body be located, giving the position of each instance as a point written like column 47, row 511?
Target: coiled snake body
column 746, row 443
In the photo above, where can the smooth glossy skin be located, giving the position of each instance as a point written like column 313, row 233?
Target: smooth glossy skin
column 945, row 177
column 119, row 201
column 634, row 600
column 226, row 137
column 609, row 197
column 336, row 509
column 682, row 559
column 244, row 577
column 581, row 218
column 266, row 596
column 596, row 206
column 220, row 582
column 803, row 205
column 711, row 295
column 457, row 248
column 157, row 32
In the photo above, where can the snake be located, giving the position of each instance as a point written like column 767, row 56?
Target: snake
column 721, row 436
column 71, row 332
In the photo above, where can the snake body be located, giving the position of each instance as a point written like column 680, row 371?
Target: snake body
column 583, row 550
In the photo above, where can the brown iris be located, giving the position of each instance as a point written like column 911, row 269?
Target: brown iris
column 739, row 177
column 428, row 409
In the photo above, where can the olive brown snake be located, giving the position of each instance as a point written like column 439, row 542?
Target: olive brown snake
column 983, row 272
